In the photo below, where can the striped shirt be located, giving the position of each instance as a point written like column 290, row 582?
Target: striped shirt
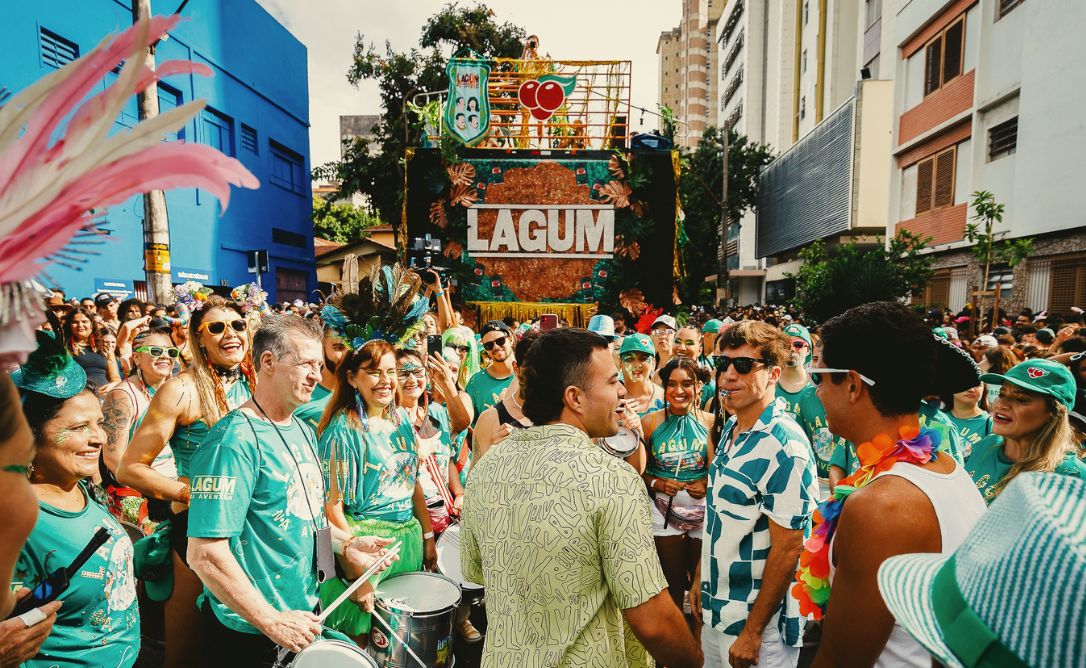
column 767, row 474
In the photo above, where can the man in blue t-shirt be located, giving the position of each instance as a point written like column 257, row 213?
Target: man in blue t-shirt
column 256, row 519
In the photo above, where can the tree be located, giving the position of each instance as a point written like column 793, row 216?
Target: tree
column 700, row 192
column 984, row 245
column 341, row 222
column 830, row 283
column 400, row 76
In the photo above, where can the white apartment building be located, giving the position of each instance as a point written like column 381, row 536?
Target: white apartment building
column 989, row 96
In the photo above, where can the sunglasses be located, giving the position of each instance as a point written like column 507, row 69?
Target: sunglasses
column 799, row 345
column 498, row 342
column 404, row 374
column 743, row 365
column 460, row 349
column 159, row 351
column 816, row 375
column 216, row 327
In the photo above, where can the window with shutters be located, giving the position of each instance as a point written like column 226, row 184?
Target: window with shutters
column 249, row 139
column 938, row 293
column 1067, row 285
column 1005, row 7
column 943, row 57
column 218, row 130
column 1003, row 139
column 56, row 52
column 935, row 181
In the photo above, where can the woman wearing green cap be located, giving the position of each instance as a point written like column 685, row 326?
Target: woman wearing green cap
column 1030, row 427
column 638, row 357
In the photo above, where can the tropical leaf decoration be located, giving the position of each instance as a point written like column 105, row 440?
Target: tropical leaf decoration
column 453, row 249
column 614, row 164
column 617, row 193
column 463, row 196
column 384, row 304
column 461, row 174
column 437, row 214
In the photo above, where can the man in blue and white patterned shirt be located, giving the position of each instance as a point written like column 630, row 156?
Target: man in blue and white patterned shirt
column 762, row 491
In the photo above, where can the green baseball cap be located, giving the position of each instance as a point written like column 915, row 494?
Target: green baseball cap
column 1041, row 376
column 152, row 564
column 638, row 343
column 712, row 326
column 801, row 332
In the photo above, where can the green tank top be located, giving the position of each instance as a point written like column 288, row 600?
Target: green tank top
column 186, row 438
column 678, row 449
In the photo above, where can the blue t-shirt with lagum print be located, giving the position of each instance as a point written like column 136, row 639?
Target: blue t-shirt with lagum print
column 264, row 492
column 99, row 621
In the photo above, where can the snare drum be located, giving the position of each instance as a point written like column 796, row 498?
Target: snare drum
column 323, row 653
column 419, row 608
column 621, row 445
column 448, row 562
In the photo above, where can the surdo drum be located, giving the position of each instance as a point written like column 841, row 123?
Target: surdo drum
column 621, row 445
column 448, row 562
column 419, row 609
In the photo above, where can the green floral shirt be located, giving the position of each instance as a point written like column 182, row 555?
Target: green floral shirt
column 559, row 533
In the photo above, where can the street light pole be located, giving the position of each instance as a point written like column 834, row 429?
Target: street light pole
column 156, row 222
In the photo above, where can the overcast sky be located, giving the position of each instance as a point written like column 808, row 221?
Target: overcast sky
column 568, row 30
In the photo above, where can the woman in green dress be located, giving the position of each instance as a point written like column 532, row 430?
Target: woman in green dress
column 1030, row 427
column 369, row 451
column 98, row 623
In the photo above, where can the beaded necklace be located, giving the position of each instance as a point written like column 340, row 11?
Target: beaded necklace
column 812, row 585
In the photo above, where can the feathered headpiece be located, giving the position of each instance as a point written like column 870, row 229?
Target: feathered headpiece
column 50, row 370
column 61, row 163
column 384, row 305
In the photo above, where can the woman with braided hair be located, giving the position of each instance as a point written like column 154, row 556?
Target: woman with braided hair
column 181, row 415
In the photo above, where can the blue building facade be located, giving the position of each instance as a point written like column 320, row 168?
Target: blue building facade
column 257, row 111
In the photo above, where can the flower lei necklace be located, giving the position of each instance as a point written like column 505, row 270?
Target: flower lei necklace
column 812, row 586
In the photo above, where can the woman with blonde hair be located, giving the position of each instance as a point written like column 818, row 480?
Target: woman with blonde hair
column 459, row 343
column 1030, row 427
column 181, row 415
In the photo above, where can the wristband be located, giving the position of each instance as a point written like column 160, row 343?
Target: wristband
column 439, row 293
column 347, row 544
column 652, row 485
column 429, row 535
column 185, row 495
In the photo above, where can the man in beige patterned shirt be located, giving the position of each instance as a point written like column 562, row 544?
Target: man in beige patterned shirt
column 559, row 532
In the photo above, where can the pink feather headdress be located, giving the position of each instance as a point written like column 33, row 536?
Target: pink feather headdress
column 54, row 179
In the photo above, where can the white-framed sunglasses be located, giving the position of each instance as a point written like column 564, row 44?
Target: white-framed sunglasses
column 816, row 375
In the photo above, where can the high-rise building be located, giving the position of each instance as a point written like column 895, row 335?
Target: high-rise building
column 988, row 98
column 685, row 71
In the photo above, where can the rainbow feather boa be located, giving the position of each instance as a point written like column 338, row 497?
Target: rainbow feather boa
column 812, row 586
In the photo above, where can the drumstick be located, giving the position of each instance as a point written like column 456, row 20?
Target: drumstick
column 671, row 500
column 392, row 551
column 398, row 639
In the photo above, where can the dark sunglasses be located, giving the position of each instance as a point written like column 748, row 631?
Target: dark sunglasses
column 499, row 342
column 159, row 351
column 743, row 365
column 799, row 344
column 461, row 349
column 216, row 327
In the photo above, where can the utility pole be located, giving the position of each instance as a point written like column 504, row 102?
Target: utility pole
column 722, row 253
column 156, row 222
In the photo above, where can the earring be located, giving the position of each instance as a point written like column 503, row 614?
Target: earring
column 362, row 417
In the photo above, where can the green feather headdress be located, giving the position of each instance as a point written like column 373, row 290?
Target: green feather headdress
column 383, row 305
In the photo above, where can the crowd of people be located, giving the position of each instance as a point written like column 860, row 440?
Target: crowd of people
column 674, row 496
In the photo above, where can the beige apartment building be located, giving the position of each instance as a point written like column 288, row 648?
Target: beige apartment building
column 687, row 66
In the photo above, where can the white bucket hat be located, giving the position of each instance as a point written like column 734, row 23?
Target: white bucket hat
column 1013, row 594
